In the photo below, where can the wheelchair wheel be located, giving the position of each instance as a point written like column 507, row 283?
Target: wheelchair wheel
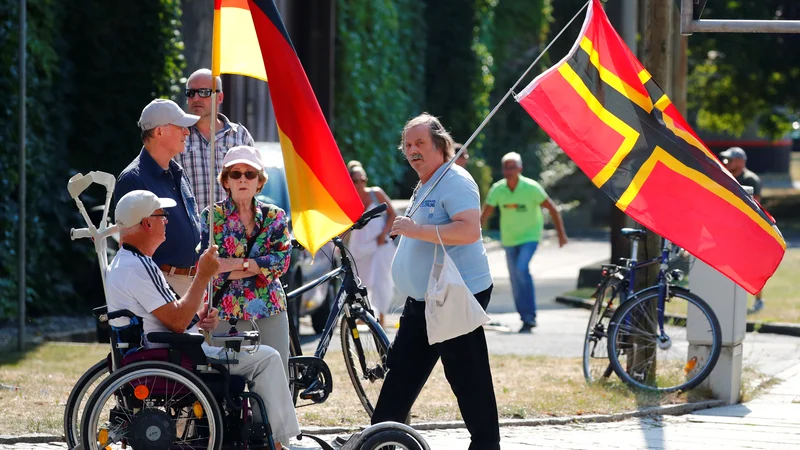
column 78, row 397
column 389, row 439
column 152, row 405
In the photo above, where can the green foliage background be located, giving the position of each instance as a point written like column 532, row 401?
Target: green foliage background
column 380, row 85
column 736, row 78
column 91, row 66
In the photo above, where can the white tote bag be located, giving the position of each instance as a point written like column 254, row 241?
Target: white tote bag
column 450, row 308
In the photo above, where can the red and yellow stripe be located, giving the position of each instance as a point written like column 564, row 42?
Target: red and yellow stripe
column 250, row 40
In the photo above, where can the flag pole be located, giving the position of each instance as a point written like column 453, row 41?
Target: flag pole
column 211, row 189
column 417, row 203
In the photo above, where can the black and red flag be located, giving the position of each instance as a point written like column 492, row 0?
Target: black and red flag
column 603, row 108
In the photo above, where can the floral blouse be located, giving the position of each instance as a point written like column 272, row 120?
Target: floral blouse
column 260, row 295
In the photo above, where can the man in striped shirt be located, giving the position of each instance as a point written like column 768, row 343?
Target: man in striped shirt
column 197, row 157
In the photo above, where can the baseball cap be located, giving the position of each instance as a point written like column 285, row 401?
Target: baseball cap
column 163, row 112
column 243, row 154
column 734, row 153
column 136, row 205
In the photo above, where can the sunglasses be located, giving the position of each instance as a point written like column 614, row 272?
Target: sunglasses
column 164, row 214
column 250, row 174
column 202, row 92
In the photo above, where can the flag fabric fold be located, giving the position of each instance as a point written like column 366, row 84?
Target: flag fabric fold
column 603, row 108
column 251, row 40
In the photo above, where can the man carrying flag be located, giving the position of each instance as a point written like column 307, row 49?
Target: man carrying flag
column 608, row 114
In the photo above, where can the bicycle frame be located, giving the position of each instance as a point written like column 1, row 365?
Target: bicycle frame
column 663, row 286
column 349, row 292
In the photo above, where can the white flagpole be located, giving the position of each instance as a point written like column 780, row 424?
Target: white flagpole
column 211, row 187
column 417, row 203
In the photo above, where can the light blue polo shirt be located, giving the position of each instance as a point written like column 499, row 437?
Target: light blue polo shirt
column 411, row 267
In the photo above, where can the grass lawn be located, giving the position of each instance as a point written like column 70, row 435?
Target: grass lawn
column 781, row 294
column 34, row 387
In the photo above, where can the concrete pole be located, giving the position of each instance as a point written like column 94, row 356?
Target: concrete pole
column 729, row 303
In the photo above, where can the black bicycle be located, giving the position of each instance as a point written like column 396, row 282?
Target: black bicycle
column 644, row 336
column 364, row 342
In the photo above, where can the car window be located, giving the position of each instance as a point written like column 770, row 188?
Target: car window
column 275, row 190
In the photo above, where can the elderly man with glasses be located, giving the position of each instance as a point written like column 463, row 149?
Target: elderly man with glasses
column 197, row 157
column 164, row 128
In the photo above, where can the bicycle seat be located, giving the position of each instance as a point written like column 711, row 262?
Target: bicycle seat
column 633, row 233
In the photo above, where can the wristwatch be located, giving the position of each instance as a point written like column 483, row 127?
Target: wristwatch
column 246, row 264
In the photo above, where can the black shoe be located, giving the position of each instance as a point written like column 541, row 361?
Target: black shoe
column 526, row 328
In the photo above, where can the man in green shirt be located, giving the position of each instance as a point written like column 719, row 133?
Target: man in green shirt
column 520, row 200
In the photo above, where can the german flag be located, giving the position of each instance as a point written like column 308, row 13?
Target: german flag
column 608, row 114
column 250, row 40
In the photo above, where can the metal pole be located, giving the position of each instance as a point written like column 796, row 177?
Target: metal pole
column 416, row 204
column 22, row 188
column 689, row 26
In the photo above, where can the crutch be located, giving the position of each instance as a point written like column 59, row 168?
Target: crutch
column 76, row 186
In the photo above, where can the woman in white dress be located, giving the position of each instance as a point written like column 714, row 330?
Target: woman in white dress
column 371, row 247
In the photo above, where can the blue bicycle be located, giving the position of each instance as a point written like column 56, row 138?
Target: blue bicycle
column 642, row 336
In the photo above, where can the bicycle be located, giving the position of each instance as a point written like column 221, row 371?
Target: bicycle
column 364, row 342
column 641, row 336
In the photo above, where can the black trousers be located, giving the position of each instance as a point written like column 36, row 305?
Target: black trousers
column 466, row 366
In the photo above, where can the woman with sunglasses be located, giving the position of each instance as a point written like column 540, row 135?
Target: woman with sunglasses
column 254, row 250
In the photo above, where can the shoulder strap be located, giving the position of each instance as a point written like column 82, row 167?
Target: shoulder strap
column 373, row 196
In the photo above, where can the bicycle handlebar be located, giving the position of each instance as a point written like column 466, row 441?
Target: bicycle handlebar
column 369, row 215
column 360, row 223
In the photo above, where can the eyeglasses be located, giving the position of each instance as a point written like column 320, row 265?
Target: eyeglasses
column 250, row 174
column 164, row 214
column 202, row 92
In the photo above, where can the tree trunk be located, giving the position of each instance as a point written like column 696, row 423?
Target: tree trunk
column 657, row 59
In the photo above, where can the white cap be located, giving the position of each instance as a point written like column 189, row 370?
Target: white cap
column 243, row 154
column 163, row 112
column 136, row 205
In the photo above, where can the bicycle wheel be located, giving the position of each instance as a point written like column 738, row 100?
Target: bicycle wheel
column 152, row 404
column 645, row 358
column 596, row 365
column 364, row 345
column 76, row 402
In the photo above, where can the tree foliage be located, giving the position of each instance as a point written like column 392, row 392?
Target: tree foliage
column 379, row 71
column 736, row 78
column 45, row 154
column 91, row 67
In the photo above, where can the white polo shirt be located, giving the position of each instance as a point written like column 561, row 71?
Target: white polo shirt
column 134, row 282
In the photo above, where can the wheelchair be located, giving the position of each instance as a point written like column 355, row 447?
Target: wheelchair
column 176, row 397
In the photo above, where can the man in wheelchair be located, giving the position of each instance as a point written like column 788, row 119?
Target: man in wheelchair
column 135, row 283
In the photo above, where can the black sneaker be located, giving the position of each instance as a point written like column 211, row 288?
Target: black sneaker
column 526, row 328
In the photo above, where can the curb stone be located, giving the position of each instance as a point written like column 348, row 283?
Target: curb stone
column 34, row 438
column 666, row 410
column 786, row 329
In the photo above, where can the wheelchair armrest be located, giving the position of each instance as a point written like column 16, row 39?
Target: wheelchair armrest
column 119, row 313
column 99, row 311
column 166, row 337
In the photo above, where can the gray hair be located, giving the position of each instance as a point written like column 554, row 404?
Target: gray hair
column 204, row 73
column 441, row 138
column 512, row 156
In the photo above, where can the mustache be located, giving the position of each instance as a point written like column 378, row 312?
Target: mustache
column 414, row 157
